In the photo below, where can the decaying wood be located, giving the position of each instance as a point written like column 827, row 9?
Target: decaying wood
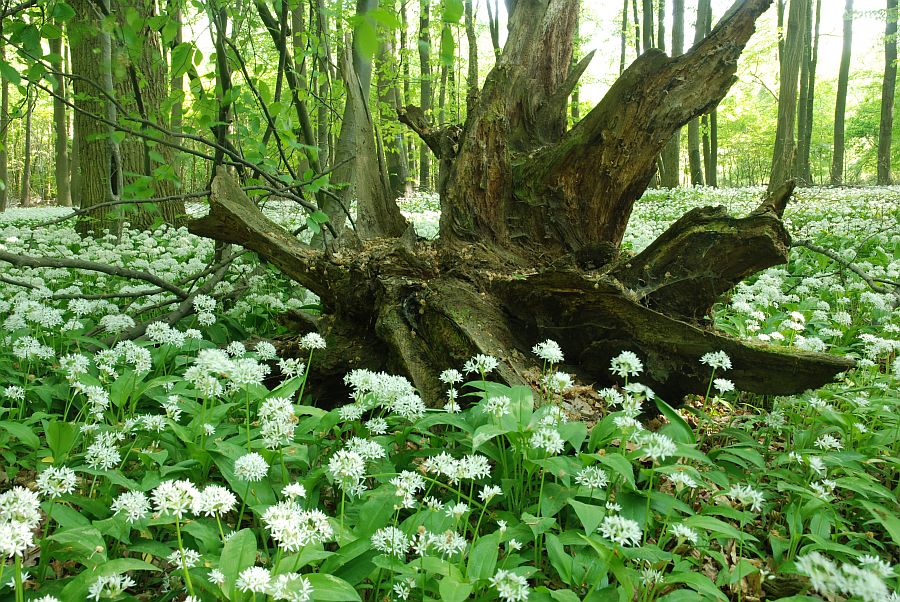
column 532, row 218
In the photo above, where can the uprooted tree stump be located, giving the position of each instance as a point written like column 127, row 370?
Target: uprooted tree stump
column 532, row 217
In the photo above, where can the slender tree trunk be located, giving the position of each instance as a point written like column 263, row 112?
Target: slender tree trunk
column 425, row 93
column 803, row 140
column 710, row 130
column 25, row 181
column 405, row 57
column 472, row 71
column 671, row 157
column 494, row 25
column 804, row 143
column 647, row 14
column 60, row 128
column 781, row 29
column 888, row 87
column 695, row 160
column 393, row 140
column 4, row 135
column 840, row 105
column 624, row 36
column 783, row 155
column 637, row 27
column 177, row 81
column 324, row 62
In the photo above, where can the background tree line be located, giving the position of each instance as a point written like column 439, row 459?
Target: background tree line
column 111, row 100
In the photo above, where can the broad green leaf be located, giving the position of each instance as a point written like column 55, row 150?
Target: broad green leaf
column 453, row 11
column 483, row 557
column 60, row 438
column 21, row 432
column 590, row 515
column 677, row 428
column 453, row 590
column 238, row 554
column 331, row 588
column 77, row 589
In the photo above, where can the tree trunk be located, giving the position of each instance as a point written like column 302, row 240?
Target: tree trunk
column 390, row 102
column 783, row 156
column 710, row 131
column 532, row 216
column 840, row 105
column 704, row 15
column 637, row 27
column 143, row 90
column 804, row 141
column 60, row 129
column 803, row 103
column 97, row 165
column 624, row 36
column 25, row 181
column 4, row 134
column 888, row 86
column 671, row 156
column 425, row 93
column 472, row 73
column 647, row 14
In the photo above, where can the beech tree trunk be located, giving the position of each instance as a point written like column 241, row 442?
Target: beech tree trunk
column 4, row 136
column 840, row 105
column 25, row 180
column 670, row 175
column 806, row 117
column 425, row 92
column 60, row 129
column 888, row 86
column 695, row 159
column 785, row 131
column 532, row 216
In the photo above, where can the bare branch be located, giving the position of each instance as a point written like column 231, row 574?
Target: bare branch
column 92, row 266
column 872, row 282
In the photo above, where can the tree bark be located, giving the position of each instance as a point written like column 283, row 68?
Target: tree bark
column 624, row 36
column 532, row 217
column 97, row 165
column 695, row 162
column 390, row 102
column 143, row 90
column 472, row 71
column 425, row 93
column 647, row 19
column 4, row 134
column 888, row 86
column 804, row 142
column 783, row 155
column 670, row 177
column 60, row 129
column 840, row 105
column 803, row 103
column 25, row 180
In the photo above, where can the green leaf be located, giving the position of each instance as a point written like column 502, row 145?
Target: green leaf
column 453, row 590
column 77, row 589
column 366, row 37
column 453, row 11
column 329, row 587
column 182, row 56
column 85, row 543
column 617, row 463
column 698, row 582
column 10, row 73
column 888, row 519
column 448, row 47
column 62, row 12
column 561, row 561
column 238, row 554
column 677, row 428
column 21, row 432
column 589, row 515
column 60, row 438
column 483, row 558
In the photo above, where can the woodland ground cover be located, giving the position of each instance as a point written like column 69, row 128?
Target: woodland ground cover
column 183, row 464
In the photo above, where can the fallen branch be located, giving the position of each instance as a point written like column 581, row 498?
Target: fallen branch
column 871, row 281
column 91, row 266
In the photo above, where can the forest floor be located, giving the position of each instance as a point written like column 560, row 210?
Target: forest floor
column 191, row 463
